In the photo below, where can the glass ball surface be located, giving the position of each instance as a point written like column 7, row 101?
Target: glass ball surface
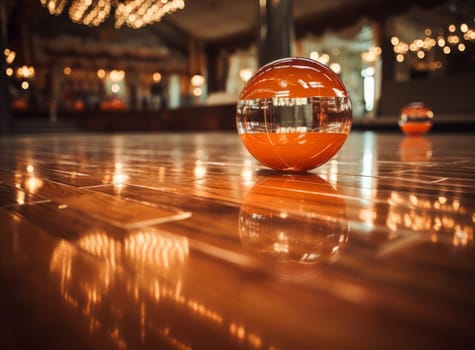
column 416, row 119
column 294, row 114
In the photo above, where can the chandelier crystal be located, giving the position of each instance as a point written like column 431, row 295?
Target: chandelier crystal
column 133, row 13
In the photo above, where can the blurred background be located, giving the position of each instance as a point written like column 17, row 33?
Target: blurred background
column 112, row 65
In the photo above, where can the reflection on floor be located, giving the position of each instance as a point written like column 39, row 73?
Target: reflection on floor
column 183, row 241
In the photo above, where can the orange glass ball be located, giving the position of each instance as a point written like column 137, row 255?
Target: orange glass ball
column 415, row 119
column 294, row 114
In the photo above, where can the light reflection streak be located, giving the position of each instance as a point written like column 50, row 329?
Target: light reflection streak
column 119, row 178
column 20, row 197
column 30, row 183
column 85, row 284
column 247, row 172
column 368, row 186
column 199, row 170
column 159, row 251
column 441, row 217
column 148, row 265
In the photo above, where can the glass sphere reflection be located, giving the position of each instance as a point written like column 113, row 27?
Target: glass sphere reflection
column 415, row 149
column 415, row 119
column 294, row 114
column 297, row 222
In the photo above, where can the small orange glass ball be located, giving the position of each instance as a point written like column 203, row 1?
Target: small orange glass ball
column 294, row 114
column 415, row 119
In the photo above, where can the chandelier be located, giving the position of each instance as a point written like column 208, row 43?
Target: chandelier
column 133, row 13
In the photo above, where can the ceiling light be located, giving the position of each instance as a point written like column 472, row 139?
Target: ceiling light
column 133, row 13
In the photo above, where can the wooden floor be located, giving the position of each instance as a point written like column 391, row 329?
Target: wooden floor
column 183, row 241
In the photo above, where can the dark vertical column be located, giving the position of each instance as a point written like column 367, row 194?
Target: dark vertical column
column 388, row 62
column 386, row 52
column 217, row 68
column 212, row 69
column 275, row 29
column 5, row 113
column 196, row 62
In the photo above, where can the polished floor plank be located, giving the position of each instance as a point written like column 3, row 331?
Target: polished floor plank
column 110, row 208
column 11, row 196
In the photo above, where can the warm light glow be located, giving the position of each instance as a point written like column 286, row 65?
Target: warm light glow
column 440, row 217
column 133, row 13
column 25, row 72
column 156, row 260
column 435, row 65
column 157, row 250
column 469, row 35
column 197, row 80
column 115, row 88
column 245, row 74
column 25, row 85
column 157, row 77
column 9, row 71
column 55, row 7
column 67, row 70
column 138, row 13
column 33, row 184
column 119, row 178
column 335, row 67
column 324, row 59
column 421, row 47
column 101, row 73
column 314, row 55
column 116, row 75
column 197, row 91
column 88, row 12
column 373, row 53
column 200, row 169
column 9, row 55
column 453, row 39
column 20, row 197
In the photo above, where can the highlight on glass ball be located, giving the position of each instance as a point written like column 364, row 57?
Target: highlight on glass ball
column 294, row 114
column 416, row 119
column 296, row 222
